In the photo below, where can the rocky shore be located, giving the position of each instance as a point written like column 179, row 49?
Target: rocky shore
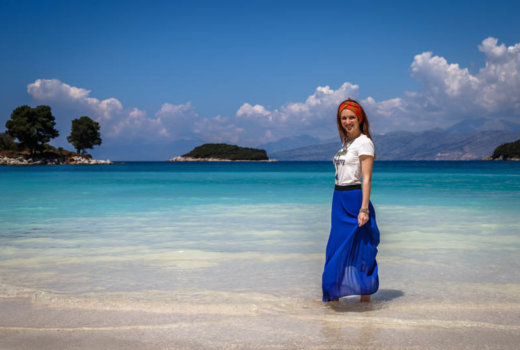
column 515, row 159
column 192, row 159
column 51, row 161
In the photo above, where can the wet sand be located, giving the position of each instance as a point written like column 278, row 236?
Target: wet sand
column 254, row 321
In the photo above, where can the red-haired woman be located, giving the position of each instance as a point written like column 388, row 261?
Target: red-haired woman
column 350, row 263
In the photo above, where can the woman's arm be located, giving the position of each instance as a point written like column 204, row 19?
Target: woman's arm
column 367, row 163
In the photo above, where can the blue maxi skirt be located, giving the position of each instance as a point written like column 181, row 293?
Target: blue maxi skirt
column 350, row 262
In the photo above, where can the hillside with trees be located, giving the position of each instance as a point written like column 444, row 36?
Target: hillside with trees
column 507, row 151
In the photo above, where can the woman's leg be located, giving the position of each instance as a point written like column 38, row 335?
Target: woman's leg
column 365, row 298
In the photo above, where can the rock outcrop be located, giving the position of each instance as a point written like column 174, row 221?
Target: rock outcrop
column 50, row 161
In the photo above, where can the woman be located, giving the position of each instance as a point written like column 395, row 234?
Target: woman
column 350, row 264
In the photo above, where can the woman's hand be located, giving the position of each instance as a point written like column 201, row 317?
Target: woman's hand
column 362, row 219
column 367, row 163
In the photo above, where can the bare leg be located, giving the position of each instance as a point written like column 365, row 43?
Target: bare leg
column 365, row 299
column 335, row 299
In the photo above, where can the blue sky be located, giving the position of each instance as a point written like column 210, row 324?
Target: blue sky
column 249, row 72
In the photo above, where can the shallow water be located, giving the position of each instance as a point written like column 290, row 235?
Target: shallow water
column 241, row 245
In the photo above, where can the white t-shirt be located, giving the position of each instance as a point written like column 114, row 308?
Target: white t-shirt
column 348, row 165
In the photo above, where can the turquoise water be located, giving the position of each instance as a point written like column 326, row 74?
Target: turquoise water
column 48, row 193
column 248, row 238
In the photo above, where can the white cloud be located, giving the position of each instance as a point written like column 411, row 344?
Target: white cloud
column 312, row 116
column 441, row 78
column 500, row 78
column 168, row 109
column 448, row 93
column 117, row 123
column 135, row 125
column 494, row 52
column 53, row 89
column 178, row 120
column 253, row 111
column 219, row 129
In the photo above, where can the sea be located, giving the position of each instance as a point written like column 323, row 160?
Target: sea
column 220, row 254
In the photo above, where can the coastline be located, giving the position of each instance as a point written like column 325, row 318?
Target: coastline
column 512, row 159
column 76, row 160
column 192, row 159
column 258, row 321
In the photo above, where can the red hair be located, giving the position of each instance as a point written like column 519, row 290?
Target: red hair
column 355, row 107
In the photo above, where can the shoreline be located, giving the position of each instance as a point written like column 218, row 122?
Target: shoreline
column 288, row 323
column 501, row 158
column 191, row 159
column 75, row 160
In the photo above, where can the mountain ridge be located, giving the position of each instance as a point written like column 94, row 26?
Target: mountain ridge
column 434, row 144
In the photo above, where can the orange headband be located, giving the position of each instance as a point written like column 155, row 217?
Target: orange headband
column 354, row 107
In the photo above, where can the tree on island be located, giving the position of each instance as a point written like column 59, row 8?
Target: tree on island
column 225, row 151
column 507, row 151
column 33, row 127
column 7, row 142
column 84, row 134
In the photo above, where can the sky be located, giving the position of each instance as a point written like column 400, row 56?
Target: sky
column 163, row 76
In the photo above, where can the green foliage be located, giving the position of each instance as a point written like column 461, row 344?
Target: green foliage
column 7, row 142
column 507, row 150
column 225, row 151
column 33, row 127
column 53, row 152
column 84, row 134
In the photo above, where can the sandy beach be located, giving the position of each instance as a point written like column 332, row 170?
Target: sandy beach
column 256, row 321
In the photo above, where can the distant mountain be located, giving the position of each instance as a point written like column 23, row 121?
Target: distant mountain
column 315, row 152
column 436, row 144
column 287, row 143
column 149, row 152
column 441, row 145
column 471, row 126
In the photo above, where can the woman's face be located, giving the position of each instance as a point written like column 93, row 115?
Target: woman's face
column 349, row 122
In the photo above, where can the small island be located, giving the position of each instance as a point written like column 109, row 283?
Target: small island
column 49, row 156
column 506, row 151
column 34, row 128
column 221, row 152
